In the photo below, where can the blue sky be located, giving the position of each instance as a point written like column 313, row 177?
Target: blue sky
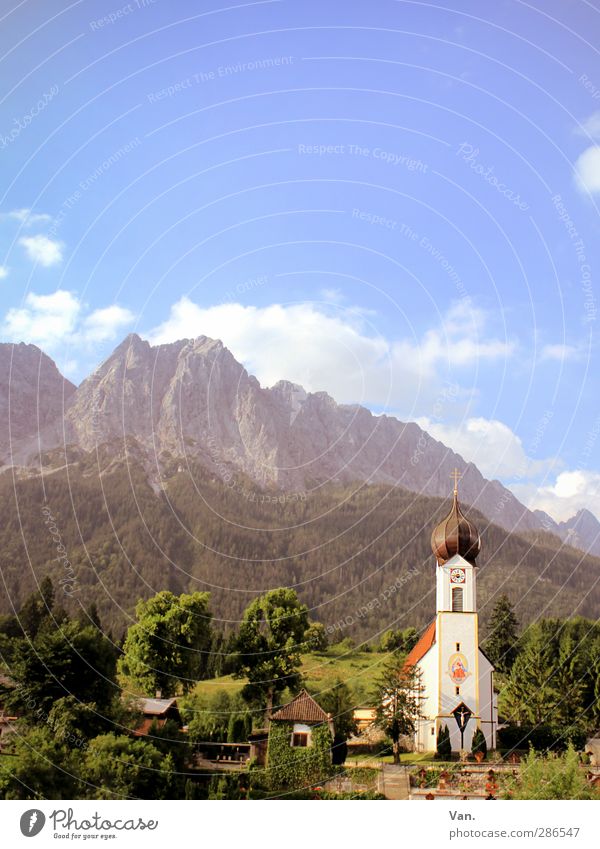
column 395, row 202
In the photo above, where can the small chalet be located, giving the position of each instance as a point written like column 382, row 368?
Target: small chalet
column 299, row 750
column 302, row 714
column 157, row 711
column 294, row 722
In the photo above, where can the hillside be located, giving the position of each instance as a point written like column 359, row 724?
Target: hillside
column 358, row 556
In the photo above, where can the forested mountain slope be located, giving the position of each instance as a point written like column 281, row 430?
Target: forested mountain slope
column 359, row 556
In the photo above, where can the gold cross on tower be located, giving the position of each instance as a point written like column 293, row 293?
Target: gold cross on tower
column 457, row 476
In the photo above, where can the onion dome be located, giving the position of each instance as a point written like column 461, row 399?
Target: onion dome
column 455, row 535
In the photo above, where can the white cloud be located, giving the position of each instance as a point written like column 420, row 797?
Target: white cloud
column 29, row 218
column 587, row 170
column 61, row 319
column 3, row 272
column 43, row 250
column 571, row 491
column 335, row 350
column 590, row 127
column 332, row 296
column 106, row 323
column 45, row 320
column 559, row 352
column 494, row 448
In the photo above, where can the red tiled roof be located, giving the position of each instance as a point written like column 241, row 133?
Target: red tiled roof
column 422, row 647
column 301, row 709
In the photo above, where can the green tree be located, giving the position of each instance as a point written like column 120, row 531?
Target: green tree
column 74, row 660
column 389, row 640
column 92, row 616
column 398, row 695
column 316, row 637
column 444, row 744
column 76, row 722
column 401, row 641
column 42, row 766
column 530, row 694
column 170, row 740
column 337, row 700
column 269, row 645
column 208, row 717
column 502, row 642
column 119, row 767
column 36, row 610
column 551, row 777
column 167, row 648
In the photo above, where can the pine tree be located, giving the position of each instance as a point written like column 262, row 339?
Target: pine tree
column 530, row 695
column 501, row 644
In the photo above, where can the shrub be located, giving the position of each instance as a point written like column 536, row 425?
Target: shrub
column 444, row 746
column 479, row 744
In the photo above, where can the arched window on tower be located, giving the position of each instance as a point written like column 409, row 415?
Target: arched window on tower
column 457, row 600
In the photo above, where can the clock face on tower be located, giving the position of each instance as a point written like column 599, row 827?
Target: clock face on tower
column 457, row 576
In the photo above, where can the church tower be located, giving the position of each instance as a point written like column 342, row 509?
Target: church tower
column 456, row 676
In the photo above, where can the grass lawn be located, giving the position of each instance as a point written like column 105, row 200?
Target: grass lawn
column 405, row 758
column 358, row 669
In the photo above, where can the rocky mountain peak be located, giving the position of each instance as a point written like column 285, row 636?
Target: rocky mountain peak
column 192, row 398
column 33, row 393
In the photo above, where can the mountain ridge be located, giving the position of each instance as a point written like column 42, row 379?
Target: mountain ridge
column 192, row 398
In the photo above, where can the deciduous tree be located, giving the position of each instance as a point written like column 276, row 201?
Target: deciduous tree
column 270, row 643
column 167, row 648
column 398, row 695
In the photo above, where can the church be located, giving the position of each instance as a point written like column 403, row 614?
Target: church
column 456, row 676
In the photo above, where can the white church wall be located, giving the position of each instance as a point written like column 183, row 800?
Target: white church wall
column 445, row 585
column 426, row 741
column 459, row 671
column 487, row 701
